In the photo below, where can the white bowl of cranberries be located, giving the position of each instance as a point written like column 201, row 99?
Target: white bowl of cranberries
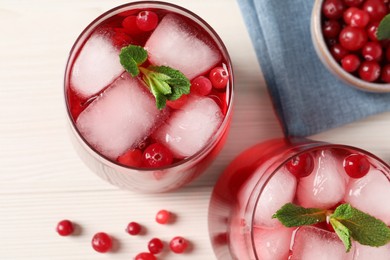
column 345, row 36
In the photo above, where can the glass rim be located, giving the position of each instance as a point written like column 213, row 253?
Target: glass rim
column 210, row 31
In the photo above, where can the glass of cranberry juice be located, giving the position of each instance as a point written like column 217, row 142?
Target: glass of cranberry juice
column 308, row 173
column 115, row 125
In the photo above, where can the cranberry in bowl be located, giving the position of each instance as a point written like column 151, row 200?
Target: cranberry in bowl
column 344, row 34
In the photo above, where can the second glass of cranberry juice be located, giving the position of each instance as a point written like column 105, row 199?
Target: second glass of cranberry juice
column 117, row 127
column 309, row 174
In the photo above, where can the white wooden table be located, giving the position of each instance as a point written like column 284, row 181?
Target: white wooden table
column 43, row 181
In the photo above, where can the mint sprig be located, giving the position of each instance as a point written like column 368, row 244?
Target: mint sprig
column 347, row 221
column 383, row 31
column 165, row 83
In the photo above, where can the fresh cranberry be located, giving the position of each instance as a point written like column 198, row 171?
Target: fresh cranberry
column 133, row 228
column 356, row 165
column 65, row 227
column 163, row 216
column 338, row 52
column 333, row 9
column 219, row 77
column 372, row 28
column 178, row 103
column 129, row 25
column 376, row 9
column 372, row 51
column 369, row 71
column 360, row 19
column 147, row 20
column 132, row 157
column 385, row 75
column 353, row 2
column 331, row 28
column 145, row 256
column 347, row 15
column 120, row 38
column 352, row 38
column 301, row 166
column 101, row 242
column 350, row 63
column 178, row 245
column 157, row 155
column 201, row 86
column 155, row 246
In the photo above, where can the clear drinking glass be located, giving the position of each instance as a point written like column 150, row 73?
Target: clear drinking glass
column 258, row 183
column 111, row 26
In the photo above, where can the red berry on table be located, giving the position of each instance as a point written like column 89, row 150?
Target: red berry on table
column 360, row 19
column 333, row 9
column 201, row 86
column 145, row 256
column 372, row 51
column 385, row 75
column 353, row 2
column 301, row 166
column 147, row 20
column 65, row 227
column 155, row 246
column 133, row 228
column 178, row 245
column 369, row 71
column 101, row 242
column 372, row 28
column 352, row 38
column 163, row 216
column 347, row 15
column 350, row 63
column 377, row 9
column 129, row 25
column 331, row 28
column 178, row 103
column 338, row 52
column 356, row 165
column 132, row 157
column 157, row 155
column 219, row 77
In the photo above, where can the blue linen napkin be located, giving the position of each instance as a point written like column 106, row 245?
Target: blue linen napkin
column 307, row 97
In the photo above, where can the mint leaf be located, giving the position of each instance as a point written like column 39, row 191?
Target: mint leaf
column 292, row 215
column 363, row 227
column 131, row 57
column 343, row 233
column 383, row 31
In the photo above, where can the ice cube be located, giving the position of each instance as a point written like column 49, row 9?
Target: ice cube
column 272, row 243
column 173, row 43
column 279, row 190
column 326, row 185
column 313, row 243
column 118, row 119
column 373, row 253
column 371, row 194
column 191, row 127
column 96, row 67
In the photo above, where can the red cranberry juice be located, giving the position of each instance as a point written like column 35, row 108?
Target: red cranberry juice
column 121, row 30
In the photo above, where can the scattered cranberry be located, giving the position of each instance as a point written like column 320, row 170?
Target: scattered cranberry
column 178, row 245
column 331, row 29
column 219, row 77
column 101, row 242
column 338, row 52
column 385, row 75
column 201, row 86
column 145, row 256
column 333, row 9
column 155, row 246
column 347, row 16
column 376, row 9
column 360, row 19
column 352, row 38
column 356, row 165
column 163, row 216
column 132, row 157
column 147, row 20
column 372, row 51
column 369, row 71
column 133, row 228
column 65, row 227
column 157, row 155
column 301, row 165
column 350, row 63
column 178, row 103
column 129, row 25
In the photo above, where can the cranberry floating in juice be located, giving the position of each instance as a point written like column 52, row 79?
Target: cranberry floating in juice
column 301, row 199
column 149, row 89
